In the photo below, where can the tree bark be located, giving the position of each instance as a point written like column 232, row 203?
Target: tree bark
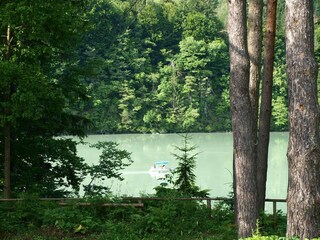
column 242, row 122
column 7, row 125
column 7, row 160
column 265, row 108
column 303, row 201
column 254, row 50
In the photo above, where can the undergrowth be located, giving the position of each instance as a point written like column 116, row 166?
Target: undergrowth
column 167, row 219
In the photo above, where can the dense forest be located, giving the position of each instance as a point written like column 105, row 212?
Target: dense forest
column 163, row 66
column 157, row 66
column 151, row 66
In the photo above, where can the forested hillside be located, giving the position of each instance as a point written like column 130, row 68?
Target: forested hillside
column 156, row 66
column 148, row 66
column 162, row 66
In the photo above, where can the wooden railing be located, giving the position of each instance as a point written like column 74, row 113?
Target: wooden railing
column 79, row 202
column 274, row 208
column 209, row 202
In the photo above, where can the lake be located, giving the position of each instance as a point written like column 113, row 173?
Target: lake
column 214, row 162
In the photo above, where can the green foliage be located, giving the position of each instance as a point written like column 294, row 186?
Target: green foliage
column 154, row 66
column 279, row 118
column 190, row 87
column 51, row 169
column 281, row 13
column 166, row 67
column 157, row 220
column 128, row 66
column 40, row 80
column 201, row 27
column 185, row 180
column 160, row 72
column 266, row 224
column 186, row 165
column 206, row 6
column 222, row 218
column 258, row 237
column 222, row 9
column 27, row 213
column 67, row 218
column 112, row 160
column 165, row 219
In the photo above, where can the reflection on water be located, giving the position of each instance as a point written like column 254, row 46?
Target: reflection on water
column 214, row 162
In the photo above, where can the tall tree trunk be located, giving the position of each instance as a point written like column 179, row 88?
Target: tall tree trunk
column 7, row 160
column 254, row 50
column 303, row 201
column 7, row 125
column 242, row 122
column 265, row 108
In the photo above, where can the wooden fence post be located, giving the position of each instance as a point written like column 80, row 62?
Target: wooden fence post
column 209, row 203
column 274, row 214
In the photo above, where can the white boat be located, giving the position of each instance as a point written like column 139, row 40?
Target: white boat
column 160, row 170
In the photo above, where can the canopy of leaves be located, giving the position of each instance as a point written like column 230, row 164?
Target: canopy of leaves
column 39, row 79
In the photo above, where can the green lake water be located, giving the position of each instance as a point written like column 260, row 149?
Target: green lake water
column 214, row 162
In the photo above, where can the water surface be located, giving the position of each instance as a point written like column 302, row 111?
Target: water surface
column 214, row 161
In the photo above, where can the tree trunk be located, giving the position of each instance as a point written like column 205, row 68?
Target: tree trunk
column 7, row 160
column 242, row 123
column 254, row 50
column 7, row 125
column 303, row 199
column 265, row 108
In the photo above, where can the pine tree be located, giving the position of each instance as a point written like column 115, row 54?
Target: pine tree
column 186, row 178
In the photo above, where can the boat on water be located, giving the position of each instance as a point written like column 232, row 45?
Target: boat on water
column 160, row 170
column 160, row 167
